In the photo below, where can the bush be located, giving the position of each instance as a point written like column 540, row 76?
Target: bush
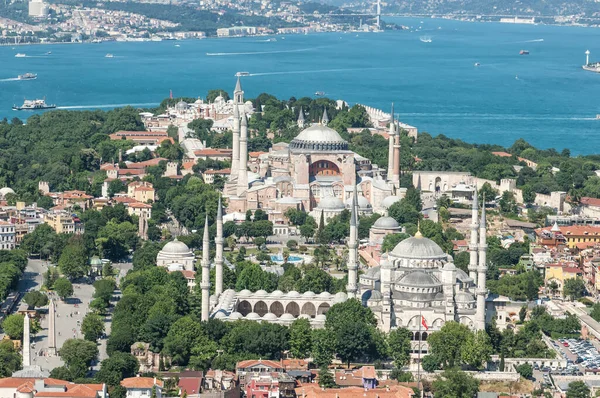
column 586, row 301
column 292, row 244
column 525, row 370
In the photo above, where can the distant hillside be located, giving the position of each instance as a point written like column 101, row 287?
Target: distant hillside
column 581, row 8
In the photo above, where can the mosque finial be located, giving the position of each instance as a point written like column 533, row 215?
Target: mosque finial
column 418, row 234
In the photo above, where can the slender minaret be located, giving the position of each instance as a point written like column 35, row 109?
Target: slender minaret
column 238, row 93
column 325, row 118
column 301, row 119
column 26, row 342
column 242, row 184
column 481, row 272
column 351, row 287
column 356, row 206
column 392, row 133
column 396, row 174
column 235, row 153
column 51, row 328
column 473, row 242
column 205, row 284
column 219, row 252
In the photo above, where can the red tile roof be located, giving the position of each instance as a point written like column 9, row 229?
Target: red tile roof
column 253, row 362
column 146, row 163
column 133, row 172
column 190, row 385
column 123, row 133
column 140, row 382
column 188, row 274
column 213, row 152
column 124, row 199
column 139, row 205
column 314, row 391
column 222, row 172
column 586, row 201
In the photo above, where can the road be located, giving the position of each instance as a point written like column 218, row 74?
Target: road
column 70, row 314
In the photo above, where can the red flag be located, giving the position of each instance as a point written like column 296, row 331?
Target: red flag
column 424, row 323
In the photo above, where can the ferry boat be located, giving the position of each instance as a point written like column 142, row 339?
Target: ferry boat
column 109, row 55
column 27, row 76
column 240, row 74
column 593, row 67
column 20, row 55
column 598, row 116
column 320, row 93
column 33, row 105
column 523, row 52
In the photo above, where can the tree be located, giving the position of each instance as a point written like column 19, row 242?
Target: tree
column 63, row 288
column 525, row 370
column 13, row 326
column 350, row 311
column 391, row 240
column 35, row 298
column 578, row 389
column 323, row 347
column 508, row 204
column 528, row 194
column 353, row 341
column 399, row 346
column 326, row 379
column 10, row 360
column 92, row 327
column 574, row 288
column 595, row 313
column 447, row 343
column 477, row 349
column 78, row 355
column 117, row 367
column 308, row 229
column 300, row 338
column 523, row 313
column 73, row 260
column 431, row 363
column 455, row 383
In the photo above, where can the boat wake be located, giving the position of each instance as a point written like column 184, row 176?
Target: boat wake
column 12, row 79
column 298, row 72
column 260, row 52
column 107, row 105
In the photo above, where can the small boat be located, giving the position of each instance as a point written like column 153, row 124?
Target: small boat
column 240, row 74
column 425, row 39
column 49, row 52
column 109, row 55
column 477, row 64
column 320, row 93
column 523, row 52
column 272, row 39
column 33, row 105
column 27, row 76
column 516, row 77
column 598, row 116
column 20, row 55
column 177, row 45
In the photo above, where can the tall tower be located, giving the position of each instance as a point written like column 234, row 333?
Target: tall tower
column 238, row 93
column 481, row 272
column 235, row 150
column 205, row 284
column 352, row 287
column 242, row 184
column 51, row 328
column 396, row 174
column 392, row 134
column 26, row 342
column 219, row 252
column 587, row 57
column 473, row 242
column 301, row 119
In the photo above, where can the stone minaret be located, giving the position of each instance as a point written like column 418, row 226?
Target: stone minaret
column 242, row 185
column 219, row 252
column 396, row 176
column 481, row 272
column 325, row 119
column 238, row 93
column 356, row 206
column 301, row 119
column 26, row 342
column 205, row 284
column 143, row 224
column 235, row 150
column 473, row 242
column 392, row 135
column 51, row 328
column 352, row 287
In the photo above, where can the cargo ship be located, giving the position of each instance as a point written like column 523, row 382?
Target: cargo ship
column 33, row 105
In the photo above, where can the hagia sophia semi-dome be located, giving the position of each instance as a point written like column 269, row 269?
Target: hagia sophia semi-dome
column 363, row 203
column 331, row 203
column 175, row 247
column 419, row 248
column 319, row 137
column 388, row 201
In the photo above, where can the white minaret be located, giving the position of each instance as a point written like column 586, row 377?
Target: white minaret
column 396, row 173
column 235, row 150
column 205, row 284
column 352, row 287
column 392, row 133
column 473, row 242
column 51, row 328
column 219, row 252
column 587, row 57
column 26, row 342
column 301, row 119
column 242, row 184
column 481, row 272
column 238, row 93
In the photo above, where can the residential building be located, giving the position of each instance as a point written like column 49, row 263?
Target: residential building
column 590, row 207
column 34, row 387
column 141, row 387
column 314, row 391
column 209, row 175
column 64, row 223
column 573, row 236
column 220, row 384
column 559, row 273
column 214, row 154
column 364, row 377
column 137, row 208
column 190, row 383
column 247, row 370
column 141, row 191
column 7, row 236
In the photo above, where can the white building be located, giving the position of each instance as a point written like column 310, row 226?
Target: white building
column 7, row 236
column 38, row 9
column 141, row 387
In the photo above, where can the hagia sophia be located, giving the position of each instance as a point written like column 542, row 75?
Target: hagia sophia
column 414, row 284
